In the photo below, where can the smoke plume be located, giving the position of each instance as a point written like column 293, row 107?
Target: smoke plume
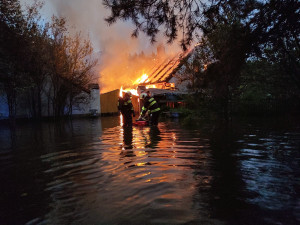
column 113, row 44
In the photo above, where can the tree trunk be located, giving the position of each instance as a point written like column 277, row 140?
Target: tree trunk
column 39, row 114
column 71, row 105
column 33, row 104
column 12, row 104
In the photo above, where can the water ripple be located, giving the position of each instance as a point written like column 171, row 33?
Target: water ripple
column 164, row 175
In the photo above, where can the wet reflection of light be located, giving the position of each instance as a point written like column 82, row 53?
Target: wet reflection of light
column 173, row 145
column 141, row 138
column 121, row 135
column 141, row 153
column 121, row 120
column 157, row 174
column 143, row 175
column 174, row 137
column 169, row 141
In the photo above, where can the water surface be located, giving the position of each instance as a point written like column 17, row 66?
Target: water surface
column 96, row 172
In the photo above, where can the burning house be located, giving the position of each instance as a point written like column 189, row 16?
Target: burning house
column 162, row 76
column 160, row 80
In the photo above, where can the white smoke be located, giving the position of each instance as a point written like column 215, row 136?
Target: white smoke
column 113, row 42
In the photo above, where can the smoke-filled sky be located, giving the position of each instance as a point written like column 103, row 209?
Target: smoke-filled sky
column 114, row 42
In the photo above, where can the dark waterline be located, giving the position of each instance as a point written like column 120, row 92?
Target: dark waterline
column 92, row 171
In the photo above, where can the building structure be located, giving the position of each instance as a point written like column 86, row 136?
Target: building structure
column 86, row 102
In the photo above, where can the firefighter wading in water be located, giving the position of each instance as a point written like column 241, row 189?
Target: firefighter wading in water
column 126, row 108
column 150, row 105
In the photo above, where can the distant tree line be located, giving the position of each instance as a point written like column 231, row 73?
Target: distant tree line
column 243, row 45
column 40, row 60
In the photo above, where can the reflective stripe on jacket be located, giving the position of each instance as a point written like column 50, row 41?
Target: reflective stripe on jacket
column 126, row 105
column 151, row 105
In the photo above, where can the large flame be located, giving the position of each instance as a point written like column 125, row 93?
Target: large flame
column 129, row 70
column 151, row 86
column 142, row 79
column 138, row 81
column 133, row 91
column 121, row 91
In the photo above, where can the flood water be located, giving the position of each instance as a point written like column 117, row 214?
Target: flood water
column 92, row 171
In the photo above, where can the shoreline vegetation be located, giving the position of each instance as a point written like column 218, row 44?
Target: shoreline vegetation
column 247, row 61
column 44, row 70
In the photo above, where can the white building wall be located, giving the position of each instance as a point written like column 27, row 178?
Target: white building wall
column 85, row 104
column 95, row 101
column 81, row 104
column 88, row 103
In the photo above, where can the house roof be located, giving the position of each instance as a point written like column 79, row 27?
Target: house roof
column 165, row 71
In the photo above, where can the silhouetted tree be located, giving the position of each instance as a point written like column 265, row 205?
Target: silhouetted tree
column 278, row 35
column 71, row 64
column 12, row 73
column 38, row 58
column 231, row 30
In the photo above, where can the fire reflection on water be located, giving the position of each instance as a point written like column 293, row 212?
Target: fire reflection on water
column 139, row 148
column 164, row 175
column 121, row 120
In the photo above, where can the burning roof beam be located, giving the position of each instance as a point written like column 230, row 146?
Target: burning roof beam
column 158, row 69
column 169, row 70
column 164, row 71
column 173, row 67
column 155, row 77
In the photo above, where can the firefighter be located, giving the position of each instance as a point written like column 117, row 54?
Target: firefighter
column 126, row 108
column 151, row 106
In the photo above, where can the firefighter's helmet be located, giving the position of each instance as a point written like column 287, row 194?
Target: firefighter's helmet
column 143, row 95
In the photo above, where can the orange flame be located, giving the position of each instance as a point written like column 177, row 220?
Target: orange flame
column 151, row 86
column 121, row 91
column 132, row 91
column 142, row 79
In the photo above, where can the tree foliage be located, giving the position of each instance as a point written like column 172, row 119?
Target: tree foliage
column 230, row 32
column 12, row 30
column 183, row 19
column 148, row 16
column 278, row 35
column 41, row 59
